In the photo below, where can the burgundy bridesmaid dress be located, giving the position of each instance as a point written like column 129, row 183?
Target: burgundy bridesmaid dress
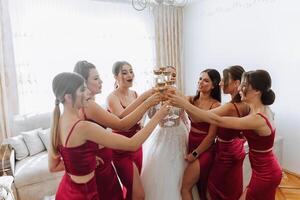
column 78, row 161
column 205, row 158
column 108, row 184
column 123, row 161
column 266, row 171
column 228, row 165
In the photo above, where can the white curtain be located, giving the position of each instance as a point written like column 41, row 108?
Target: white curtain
column 50, row 36
column 8, row 86
column 168, row 38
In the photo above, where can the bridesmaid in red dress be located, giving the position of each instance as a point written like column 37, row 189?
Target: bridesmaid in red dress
column 229, row 151
column 108, row 184
column 258, row 128
column 74, row 142
column 128, row 164
column 201, row 136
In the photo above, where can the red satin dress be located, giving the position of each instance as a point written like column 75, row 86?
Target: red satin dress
column 205, row 158
column 123, row 161
column 228, row 165
column 78, row 161
column 108, row 184
column 266, row 171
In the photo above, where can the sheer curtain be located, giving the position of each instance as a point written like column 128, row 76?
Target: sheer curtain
column 8, row 87
column 50, row 36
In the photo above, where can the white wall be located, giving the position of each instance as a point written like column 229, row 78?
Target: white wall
column 255, row 34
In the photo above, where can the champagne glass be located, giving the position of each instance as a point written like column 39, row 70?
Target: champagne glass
column 157, row 71
column 172, row 116
column 162, row 69
column 161, row 87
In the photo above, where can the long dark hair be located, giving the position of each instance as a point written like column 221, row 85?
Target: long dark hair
column 235, row 73
column 261, row 80
column 215, row 77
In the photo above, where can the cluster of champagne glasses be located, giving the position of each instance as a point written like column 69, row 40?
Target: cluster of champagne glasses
column 163, row 78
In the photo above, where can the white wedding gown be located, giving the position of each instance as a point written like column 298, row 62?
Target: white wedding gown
column 163, row 160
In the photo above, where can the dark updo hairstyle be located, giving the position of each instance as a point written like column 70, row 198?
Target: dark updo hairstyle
column 83, row 68
column 62, row 84
column 215, row 77
column 117, row 67
column 260, row 80
column 235, row 73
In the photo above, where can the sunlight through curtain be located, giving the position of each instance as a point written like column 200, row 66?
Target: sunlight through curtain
column 8, row 87
column 50, row 36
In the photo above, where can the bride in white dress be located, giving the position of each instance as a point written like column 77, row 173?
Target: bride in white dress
column 164, row 153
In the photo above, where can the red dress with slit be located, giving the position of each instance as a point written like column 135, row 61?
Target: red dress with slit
column 124, row 160
column 205, row 158
column 266, row 171
column 228, row 165
column 108, row 184
column 78, row 161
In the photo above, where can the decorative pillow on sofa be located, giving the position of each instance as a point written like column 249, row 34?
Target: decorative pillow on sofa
column 17, row 142
column 33, row 141
column 45, row 137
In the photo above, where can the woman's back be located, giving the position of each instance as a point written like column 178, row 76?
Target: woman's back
column 79, row 159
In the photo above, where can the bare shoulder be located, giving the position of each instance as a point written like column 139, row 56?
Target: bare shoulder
column 91, row 104
column 112, row 97
column 255, row 118
column 133, row 93
column 84, row 126
column 189, row 98
column 229, row 107
column 80, row 130
column 243, row 108
column 215, row 104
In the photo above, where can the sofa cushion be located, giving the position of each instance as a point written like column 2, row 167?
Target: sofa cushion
column 33, row 141
column 17, row 142
column 45, row 137
column 29, row 122
column 34, row 169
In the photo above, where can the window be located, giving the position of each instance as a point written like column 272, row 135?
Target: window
column 50, row 36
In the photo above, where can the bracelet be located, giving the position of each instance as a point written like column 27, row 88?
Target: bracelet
column 195, row 154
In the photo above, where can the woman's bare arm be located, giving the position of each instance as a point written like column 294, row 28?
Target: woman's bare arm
column 55, row 163
column 99, row 135
column 103, row 117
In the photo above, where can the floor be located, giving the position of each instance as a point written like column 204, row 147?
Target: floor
column 289, row 188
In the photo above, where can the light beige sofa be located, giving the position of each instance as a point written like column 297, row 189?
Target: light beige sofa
column 32, row 179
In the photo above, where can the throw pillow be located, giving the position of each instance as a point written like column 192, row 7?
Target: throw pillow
column 33, row 141
column 45, row 137
column 17, row 142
